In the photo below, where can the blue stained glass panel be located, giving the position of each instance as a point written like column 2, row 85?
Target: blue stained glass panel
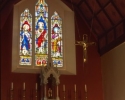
column 25, row 38
column 41, row 32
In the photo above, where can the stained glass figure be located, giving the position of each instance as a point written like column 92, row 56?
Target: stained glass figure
column 25, row 38
column 41, row 60
column 41, row 32
column 56, row 40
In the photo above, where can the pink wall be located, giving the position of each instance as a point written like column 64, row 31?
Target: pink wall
column 89, row 73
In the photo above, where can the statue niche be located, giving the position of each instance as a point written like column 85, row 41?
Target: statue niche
column 50, row 79
column 51, row 87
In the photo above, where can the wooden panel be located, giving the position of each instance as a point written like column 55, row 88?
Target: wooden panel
column 121, row 6
column 104, row 20
column 103, row 2
column 75, row 1
column 110, row 36
column 88, row 14
column 102, row 42
column 113, row 14
column 93, row 5
column 97, row 27
column 119, row 30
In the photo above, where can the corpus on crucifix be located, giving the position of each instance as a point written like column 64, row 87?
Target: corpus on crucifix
column 85, row 43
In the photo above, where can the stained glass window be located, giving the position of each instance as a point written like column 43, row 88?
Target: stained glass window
column 40, row 37
column 25, row 38
column 56, row 40
column 41, row 33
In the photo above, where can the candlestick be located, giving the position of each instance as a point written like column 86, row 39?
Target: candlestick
column 24, row 86
column 64, row 94
column 85, row 88
column 11, row 91
column 75, row 87
column 12, row 86
column 23, row 91
column 36, row 86
column 75, row 91
column 63, row 87
column 36, row 94
column 57, row 90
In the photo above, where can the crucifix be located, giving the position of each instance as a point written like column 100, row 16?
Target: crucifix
column 85, row 45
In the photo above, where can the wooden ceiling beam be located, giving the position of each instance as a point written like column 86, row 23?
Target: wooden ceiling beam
column 112, row 45
column 117, row 9
column 80, row 2
column 112, row 28
column 94, row 16
column 101, row 6
column 103, row 9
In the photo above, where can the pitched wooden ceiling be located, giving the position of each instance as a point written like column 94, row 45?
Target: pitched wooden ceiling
column 108, row 18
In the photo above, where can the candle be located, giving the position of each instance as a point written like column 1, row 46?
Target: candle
column 85, row 88
column 12, row 86
column 75, row 87
column 57, row 90
column 36, row 86
column 63, row 87
column 24, row 86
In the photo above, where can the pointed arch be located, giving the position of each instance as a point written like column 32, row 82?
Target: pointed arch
column 41, row 33
column 56, row 40
column 25, row 51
